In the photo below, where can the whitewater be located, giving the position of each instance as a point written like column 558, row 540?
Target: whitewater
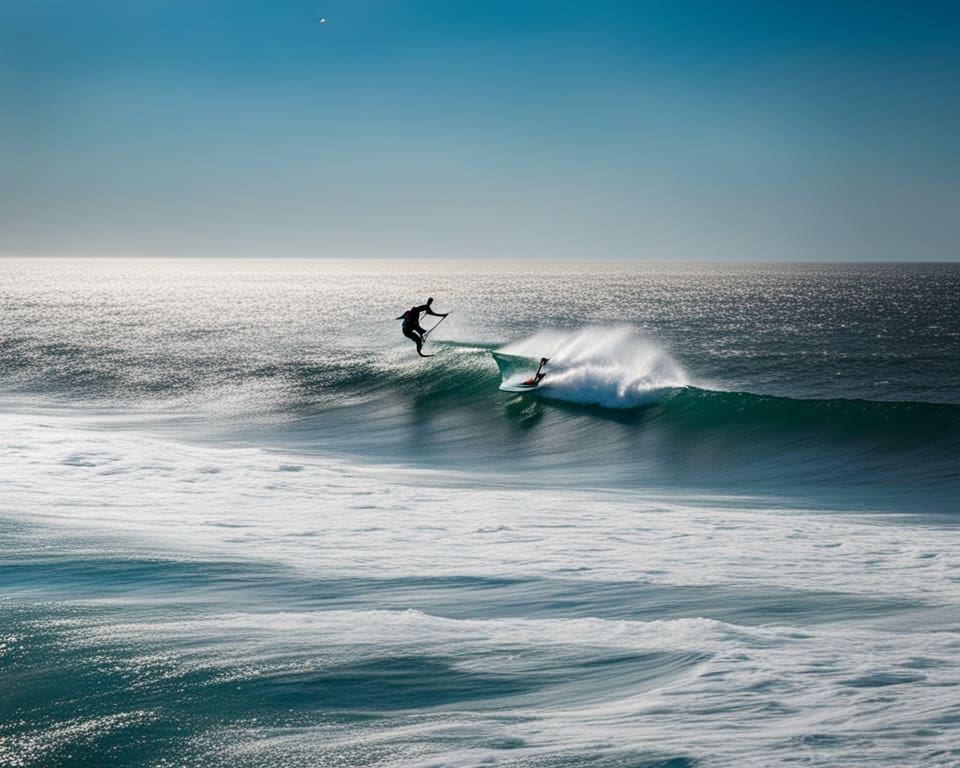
column 240, row 529
column 608, row 367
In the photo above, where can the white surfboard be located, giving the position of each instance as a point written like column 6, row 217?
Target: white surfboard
column 519, row 387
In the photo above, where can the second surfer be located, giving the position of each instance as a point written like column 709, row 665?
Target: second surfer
column 539, row 374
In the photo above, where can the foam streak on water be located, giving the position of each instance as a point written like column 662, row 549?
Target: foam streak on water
column 465, row 623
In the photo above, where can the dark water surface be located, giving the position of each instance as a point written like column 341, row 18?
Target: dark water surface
column 242, row 523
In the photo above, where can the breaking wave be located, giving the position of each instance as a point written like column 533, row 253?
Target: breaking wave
column 609, row 367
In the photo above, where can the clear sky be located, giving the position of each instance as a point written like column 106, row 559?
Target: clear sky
column 653, row 129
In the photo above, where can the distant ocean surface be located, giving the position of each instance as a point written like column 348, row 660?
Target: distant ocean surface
column 242, row 523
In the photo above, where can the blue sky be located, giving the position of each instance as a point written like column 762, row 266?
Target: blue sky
column 650, row 130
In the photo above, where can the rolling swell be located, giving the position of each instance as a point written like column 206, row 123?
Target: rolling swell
column 905, row 422
column 607, row 374
column 467, row 375
column 615, row 408
column 600, row 382
column 450, row 414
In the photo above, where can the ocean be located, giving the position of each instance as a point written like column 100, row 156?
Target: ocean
column 242, row 523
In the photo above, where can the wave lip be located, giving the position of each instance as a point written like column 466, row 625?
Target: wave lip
column 609, row 367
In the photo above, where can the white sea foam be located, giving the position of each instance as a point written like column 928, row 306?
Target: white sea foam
column 754, row 693
column 612, row 367
column 845, row 689
column 191, row 501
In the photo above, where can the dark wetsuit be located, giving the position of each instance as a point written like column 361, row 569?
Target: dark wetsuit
column 539, row 375
column 411, row 323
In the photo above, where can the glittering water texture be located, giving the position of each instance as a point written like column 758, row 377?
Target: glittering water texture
column 242, row 524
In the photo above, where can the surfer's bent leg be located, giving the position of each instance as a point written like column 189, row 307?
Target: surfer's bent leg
column 411, row 333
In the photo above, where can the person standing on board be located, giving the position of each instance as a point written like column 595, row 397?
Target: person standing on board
column 411, row 323
column 539, row 374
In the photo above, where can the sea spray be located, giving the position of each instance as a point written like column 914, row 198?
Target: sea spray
column 610, row 367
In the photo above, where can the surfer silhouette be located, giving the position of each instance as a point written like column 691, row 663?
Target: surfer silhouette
column 538, row 376
column 411, row 323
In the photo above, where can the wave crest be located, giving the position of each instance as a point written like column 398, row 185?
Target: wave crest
column 610, row 367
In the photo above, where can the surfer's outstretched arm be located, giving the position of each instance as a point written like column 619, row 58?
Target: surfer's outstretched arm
column 428, row 309
column 425, row 308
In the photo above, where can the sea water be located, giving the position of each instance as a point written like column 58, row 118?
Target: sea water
column 242, row 523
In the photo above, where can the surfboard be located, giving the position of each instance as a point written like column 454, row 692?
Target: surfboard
column 519, row 387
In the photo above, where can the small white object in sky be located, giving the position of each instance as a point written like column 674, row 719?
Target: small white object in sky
column 323, row 19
